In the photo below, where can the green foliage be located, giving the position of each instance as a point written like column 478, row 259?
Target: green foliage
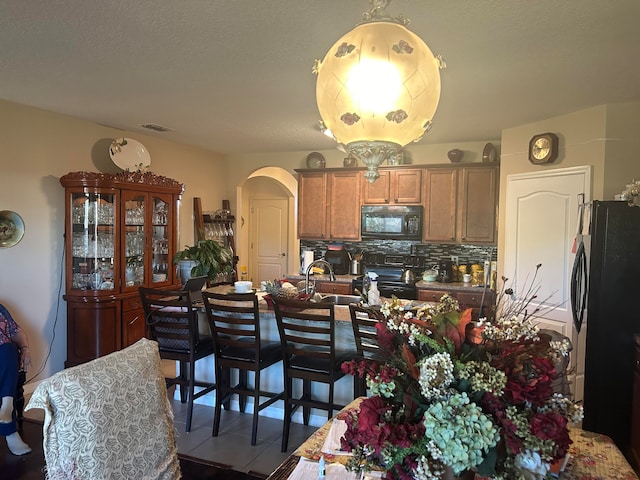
column 211, row 257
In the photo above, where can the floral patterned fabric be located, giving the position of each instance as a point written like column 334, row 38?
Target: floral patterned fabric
column 109, row 419
column 593, row 456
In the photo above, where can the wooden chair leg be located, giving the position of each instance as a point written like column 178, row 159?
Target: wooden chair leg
column 192, row 368
column 306, row 394
column 19, row 398
column 221, row 393
column 330, row 412
column 242, row 382
column 183, row 380
column 288, row 383
column 256, row 404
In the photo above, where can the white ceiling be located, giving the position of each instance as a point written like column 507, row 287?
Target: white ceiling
column 235, row 75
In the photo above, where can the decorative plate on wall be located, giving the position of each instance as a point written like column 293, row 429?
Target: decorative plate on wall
column 11, row 228
column 129, row 155
column 315, row 160
column 489, row 154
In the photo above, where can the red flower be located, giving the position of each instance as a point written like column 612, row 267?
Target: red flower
column 386, row 339
column 371, row 411
column 552, row 426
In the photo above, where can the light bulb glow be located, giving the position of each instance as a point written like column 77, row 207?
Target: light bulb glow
column 375, row 86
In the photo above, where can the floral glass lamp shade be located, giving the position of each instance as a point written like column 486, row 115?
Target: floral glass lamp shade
column 378, row 88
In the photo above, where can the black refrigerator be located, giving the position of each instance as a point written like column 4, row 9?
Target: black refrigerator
column 606, row 299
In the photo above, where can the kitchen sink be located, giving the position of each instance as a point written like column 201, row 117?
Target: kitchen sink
column 341, row 299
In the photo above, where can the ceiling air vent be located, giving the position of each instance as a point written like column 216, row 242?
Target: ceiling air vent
column 156, row 127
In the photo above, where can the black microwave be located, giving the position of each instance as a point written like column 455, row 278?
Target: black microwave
column 402, row 222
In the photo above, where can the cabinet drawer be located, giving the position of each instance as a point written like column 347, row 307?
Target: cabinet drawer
column 334, row 287
column 133, row 303
column 432, row 295
column 474, row 299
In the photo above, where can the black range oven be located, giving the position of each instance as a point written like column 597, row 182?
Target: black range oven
column 389, row 269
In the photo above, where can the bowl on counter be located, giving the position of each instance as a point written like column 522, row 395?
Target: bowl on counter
column 159, row 277
column 429, row 276
column 243, row 286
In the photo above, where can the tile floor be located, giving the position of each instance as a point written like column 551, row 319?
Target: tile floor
column 233, row 445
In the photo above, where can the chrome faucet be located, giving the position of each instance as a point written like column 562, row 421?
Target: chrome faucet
column 332, row 275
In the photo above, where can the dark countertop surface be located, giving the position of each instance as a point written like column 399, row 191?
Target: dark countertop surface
column 457, row 286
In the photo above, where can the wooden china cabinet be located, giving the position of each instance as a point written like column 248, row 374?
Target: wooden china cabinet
column 121, row 233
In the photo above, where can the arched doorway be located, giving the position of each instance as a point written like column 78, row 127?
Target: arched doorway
column 266, row 199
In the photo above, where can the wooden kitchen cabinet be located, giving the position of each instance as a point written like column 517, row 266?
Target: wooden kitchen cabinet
column 338, row 288
column 312, row 211
column 121, row 233
column 344, row 205
column 329, row 205
column 466, row 299
column 399, row 186
column 440, row 204
column 460, row 204
column 477, row 196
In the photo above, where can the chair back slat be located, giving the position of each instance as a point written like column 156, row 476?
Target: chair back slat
column 306, row 329
column 364, row 320
column 234, row 320
column 171, row 319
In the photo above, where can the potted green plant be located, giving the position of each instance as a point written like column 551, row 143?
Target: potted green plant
column 206, row 258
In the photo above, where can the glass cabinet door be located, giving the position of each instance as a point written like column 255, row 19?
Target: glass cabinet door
column 134, row 215
column 92, row 241
column 160, row 247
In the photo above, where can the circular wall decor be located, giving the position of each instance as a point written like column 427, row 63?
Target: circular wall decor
column 130, row 155
column 11, row 228
column 315, row 160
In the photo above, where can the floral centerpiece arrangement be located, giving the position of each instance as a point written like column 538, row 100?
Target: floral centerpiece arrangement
column 443, row 405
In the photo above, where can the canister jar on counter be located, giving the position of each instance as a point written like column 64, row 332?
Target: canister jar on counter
column 477, row 277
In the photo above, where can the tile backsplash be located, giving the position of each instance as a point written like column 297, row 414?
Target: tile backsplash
column 433, row 252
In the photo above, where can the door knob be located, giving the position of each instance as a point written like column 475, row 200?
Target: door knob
column 283, row 254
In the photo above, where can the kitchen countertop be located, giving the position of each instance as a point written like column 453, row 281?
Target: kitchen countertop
column 457, row 286
column 323, row 277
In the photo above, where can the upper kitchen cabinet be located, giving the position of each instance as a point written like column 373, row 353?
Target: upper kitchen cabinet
column 460, row 204
column 477, row 195
column 440, row 204
column 397, row 185
column 120, row 234
column 329, row 205
column 344, row 205
column 312, row 209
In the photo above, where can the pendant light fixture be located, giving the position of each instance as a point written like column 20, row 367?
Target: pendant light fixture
column 378, row 88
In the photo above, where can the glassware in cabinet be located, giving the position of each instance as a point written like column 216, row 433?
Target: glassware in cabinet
column 92, row 240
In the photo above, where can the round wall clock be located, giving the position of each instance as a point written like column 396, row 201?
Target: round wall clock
column 543, row 148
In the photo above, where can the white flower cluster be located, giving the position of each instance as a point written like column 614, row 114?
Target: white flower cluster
column 403, row 326
column 512, row 328
column 531, row 466
column 436, row 374
column 565, row 407
column 483, row 377
column 562, row 347
column 429, row 471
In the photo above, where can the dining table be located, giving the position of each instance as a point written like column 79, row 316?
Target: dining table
column 592, row 456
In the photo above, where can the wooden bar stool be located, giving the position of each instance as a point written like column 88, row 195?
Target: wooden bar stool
column 173, row 323
column 307, row 335
column 235, row 325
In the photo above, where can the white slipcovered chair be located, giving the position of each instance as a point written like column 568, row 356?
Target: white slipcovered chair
column 109, row 418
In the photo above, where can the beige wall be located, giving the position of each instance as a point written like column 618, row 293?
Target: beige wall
column 38, row 147
column 604, row 137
